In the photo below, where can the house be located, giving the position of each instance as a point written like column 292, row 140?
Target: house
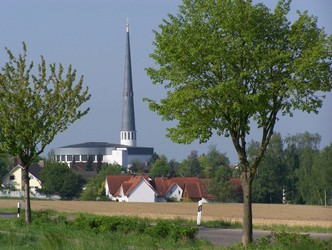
column 130, row 188
column 167, row 190
column 143, row 189
column 14, row 179
column 186, row 188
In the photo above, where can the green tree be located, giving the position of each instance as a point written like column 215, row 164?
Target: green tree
column 300, row 152
column 270, row 177
column 34, row 108
column 58, row 178
column 160, row 167
column 231, row 65
column 215, row 160
column 322, row 172
column 220, row 186
column 5, row 166
column 95, row 187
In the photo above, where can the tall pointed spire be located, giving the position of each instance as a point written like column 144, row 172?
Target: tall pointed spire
column 128, row 130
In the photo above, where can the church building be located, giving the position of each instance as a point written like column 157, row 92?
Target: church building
column 124, row 153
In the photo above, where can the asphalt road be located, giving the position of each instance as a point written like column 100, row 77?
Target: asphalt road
column 7, row 215
column 223, row 237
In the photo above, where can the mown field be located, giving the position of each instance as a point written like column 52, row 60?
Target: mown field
column 263, row 214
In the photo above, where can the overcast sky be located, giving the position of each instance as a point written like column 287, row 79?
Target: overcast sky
column 90, row 35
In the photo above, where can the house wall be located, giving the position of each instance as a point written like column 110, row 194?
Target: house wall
column 34, row 183
column 14, row 179
column 142, row 193
column 175, row 192
column 17, row 181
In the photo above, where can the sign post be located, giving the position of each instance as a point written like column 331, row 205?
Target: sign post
column 199, row 212
column 18, row 209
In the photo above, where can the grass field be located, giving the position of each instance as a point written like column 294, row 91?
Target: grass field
column 263, row 214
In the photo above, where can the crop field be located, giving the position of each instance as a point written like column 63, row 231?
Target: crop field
column 263, row 214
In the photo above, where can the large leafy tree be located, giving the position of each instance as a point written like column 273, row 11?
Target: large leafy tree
column 58, row 179
column 36, row 104
column 230, row 64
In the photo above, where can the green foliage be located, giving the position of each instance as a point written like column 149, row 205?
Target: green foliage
column 36, row 107
column 57, row 178
column 5, row 165
column 228, row 66
column 95, row 186
column 50, row 230
column 213, row 160
column 303, row 183
column 129, row 225
column 221, row 224
column 221, row 187
column 191, row 166
column 294, row 166
column 283, row 240
column 271, row 174
column 160, row 167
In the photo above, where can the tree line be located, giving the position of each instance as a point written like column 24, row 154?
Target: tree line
column 294, row 170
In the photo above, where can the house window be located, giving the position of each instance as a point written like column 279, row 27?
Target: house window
column 100, row 158
column 12, row 177
column 76, row 158
column 92, row 157
column 63, row 158
column 84, row 158
column 58, row 158
column 69, row 158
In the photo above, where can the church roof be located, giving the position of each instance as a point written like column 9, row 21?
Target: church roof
column 128, row 114
column 94, row 145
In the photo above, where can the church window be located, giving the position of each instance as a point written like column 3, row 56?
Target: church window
column 100, row 157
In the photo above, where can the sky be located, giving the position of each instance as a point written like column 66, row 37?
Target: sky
column 90, row 35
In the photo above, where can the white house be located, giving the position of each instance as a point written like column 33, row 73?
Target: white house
column 130, row 189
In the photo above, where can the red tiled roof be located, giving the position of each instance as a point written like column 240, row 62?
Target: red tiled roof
column 114, row 182
column 127, row 182
column 193, row 187
column 192, row 190
column 162, row 185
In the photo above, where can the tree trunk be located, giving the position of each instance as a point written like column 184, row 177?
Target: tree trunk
column 246, row 181
column 27, row 195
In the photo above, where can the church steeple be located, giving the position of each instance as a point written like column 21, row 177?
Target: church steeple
column 128, row 130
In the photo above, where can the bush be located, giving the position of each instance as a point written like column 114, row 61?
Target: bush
column 284, row 240
column 176, row 231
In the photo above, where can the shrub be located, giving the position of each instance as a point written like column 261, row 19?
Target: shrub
column 284, row 240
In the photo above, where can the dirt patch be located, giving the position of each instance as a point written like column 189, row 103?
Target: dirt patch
column 262, row 213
